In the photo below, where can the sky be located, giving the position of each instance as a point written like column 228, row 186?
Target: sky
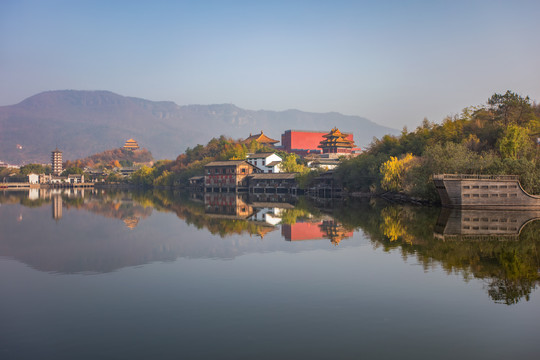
column 393, row 62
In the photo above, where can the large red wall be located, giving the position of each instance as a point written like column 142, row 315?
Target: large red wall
column 304, row 140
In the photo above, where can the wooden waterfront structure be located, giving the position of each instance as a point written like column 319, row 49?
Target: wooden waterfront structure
column 484, row 192
column 276, row 183
column 325, row 186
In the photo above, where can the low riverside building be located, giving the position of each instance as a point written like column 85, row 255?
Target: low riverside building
column 228, row 176
column 196, row 182
column 33, row 178
column 282, row 183
column 266, row 162
column 325, row 186
column 325, row 163
column 75, row 179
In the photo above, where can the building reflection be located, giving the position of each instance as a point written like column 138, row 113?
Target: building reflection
column 457, row 224
column 57, row 207
column 227, row 206
column 316, row 230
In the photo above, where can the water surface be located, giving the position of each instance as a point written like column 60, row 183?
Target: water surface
column 120, row 275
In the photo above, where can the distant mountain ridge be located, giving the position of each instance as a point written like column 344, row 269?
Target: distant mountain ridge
column 82, row 123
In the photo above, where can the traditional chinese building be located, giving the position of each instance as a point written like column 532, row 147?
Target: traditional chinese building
column 227, row 176
column 56, row 162
column 131, row 145
column 335, row 142
column 261, row 139
column 304, row 143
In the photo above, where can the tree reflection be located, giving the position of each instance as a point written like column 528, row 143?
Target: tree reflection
column 506, row 260
column 509, row 265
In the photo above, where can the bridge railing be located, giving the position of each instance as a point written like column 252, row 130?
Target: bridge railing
column 474, row 177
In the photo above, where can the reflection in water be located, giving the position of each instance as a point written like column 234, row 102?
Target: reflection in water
column 457, row 224
column 85, row 243
column 57, row 207
column 315, row 230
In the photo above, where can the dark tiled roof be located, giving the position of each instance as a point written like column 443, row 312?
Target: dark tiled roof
column 260, row 155
column 261, row 138
column 227, row 163
column 273, row 176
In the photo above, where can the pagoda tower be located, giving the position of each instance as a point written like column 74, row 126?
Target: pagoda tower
column 335, row 142
column 131, row 145
column 56, row 162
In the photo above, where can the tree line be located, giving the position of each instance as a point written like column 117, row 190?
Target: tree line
column 500, row 137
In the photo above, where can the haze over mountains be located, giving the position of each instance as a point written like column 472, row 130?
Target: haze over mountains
column 82, row 123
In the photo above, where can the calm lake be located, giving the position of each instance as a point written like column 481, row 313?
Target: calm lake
column 162, row 275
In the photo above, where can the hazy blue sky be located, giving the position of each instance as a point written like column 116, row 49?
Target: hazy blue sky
column 394, row 62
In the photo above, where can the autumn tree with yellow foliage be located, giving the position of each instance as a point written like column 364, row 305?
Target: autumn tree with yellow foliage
column 393, row 172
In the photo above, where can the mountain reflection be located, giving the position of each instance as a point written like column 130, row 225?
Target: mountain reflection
column 497, row 247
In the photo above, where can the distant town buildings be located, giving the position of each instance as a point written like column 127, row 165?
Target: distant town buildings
column 56, row 162
column 8, row 166
column 131, row 145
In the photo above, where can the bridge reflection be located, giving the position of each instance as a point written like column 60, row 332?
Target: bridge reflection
column 456, row 224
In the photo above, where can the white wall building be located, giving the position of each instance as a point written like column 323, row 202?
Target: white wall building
column 267, row 162
column 33, row 178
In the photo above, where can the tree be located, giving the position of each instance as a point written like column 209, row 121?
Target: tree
column 290, row 164
column 34, row 168
column 515, row 142
column 511, row 108
column 144, row 176
column 72, row 170
column 393, row 171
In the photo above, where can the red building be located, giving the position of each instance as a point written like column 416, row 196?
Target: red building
column 305, row 142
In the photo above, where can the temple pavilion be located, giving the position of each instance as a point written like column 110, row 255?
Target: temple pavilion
column 335, row 142
column 131, row 145
column 261, row 139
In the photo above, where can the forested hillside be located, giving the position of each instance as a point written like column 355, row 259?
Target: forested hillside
column 500, row 137
column 112, row 158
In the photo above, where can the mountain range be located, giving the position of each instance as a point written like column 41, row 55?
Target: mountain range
column 82, row 123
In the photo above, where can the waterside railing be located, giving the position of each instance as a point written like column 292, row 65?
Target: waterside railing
column 474, row 177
